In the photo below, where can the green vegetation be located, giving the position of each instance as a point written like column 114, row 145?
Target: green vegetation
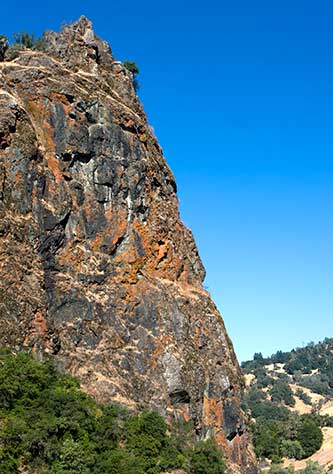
column 303, row 396
column 21, row 42
column 50, row 425
column 13, row 51
column 292, row 449
column 278, row 469
column 133, row 68
column 25, row 39
column 277, row 431
column 310, row 366
column 281, row 392
column 309, row 435
column 311, row 468
column 206, row 459
column 28, row 41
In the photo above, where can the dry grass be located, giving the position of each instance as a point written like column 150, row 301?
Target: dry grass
column 327, row 408
column 278, row 368
column 249, row 378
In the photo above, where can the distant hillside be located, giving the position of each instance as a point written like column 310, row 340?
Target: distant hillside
column 289, row 397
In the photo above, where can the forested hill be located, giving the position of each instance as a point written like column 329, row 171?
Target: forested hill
column 310, row 366
column 289, row 397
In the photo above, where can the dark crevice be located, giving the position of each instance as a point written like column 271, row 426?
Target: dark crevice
column 128, row 128
column 97, row 55
column 82, row 157
column 119, row 241
column 141, row 209
column 3, row 183
column 162, row 259
column 67, row 157
column 73, row 158
column 179, row 396
column 106, row 184
column 65, row 219
column 172, row 183
column 155, row 183
column 50, row 243
column 55, row 342
column 4, row 141
column 180, row 271
column 232, row 435
column 69, row 97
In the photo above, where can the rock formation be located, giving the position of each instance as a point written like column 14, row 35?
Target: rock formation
column 96, row 268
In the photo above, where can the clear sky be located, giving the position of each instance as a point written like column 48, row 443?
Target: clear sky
column 240, row 94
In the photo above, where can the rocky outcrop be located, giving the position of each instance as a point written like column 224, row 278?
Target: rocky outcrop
column 3, row 46
column 96, row 268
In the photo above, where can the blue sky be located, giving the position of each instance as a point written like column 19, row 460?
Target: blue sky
column 240, row 95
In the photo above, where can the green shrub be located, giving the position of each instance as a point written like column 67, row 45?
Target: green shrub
column 13, row 51
column 278, row 469
column 205, row 458
column 25, row 39
column 310, row 436
column 312, row 468
column 51, row 426
column 28, row 41
column 281, row 392
column 118, row 461
column 267, row 438
column 291, row 449
column 268, row 411
column 74, row 457
column 133, row 68
column 303, row 396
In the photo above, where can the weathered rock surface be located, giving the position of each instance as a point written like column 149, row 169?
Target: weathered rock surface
column 96, row 268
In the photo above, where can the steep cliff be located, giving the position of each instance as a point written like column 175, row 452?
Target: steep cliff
column 96, row 268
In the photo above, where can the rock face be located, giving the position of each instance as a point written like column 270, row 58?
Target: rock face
column 96, row 268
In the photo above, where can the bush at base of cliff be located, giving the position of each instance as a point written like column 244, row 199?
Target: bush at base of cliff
column 205, row 458
column 50, row 426
column 74, row 458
